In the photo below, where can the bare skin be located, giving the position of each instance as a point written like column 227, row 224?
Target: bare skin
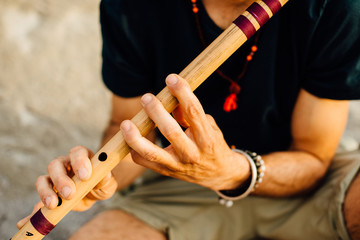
column 197, row 155
column 123, row 226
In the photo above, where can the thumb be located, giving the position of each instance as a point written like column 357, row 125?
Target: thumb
column 104, row 189
column 23, row 221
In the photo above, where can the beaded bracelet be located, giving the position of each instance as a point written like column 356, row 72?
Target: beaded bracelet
column 257, row 165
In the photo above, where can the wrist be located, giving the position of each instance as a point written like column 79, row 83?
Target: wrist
column 257, row 167
column 240, row 171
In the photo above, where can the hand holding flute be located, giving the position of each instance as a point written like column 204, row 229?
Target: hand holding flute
column 191, row 156
column 59, row 176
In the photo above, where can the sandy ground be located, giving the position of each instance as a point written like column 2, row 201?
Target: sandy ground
column 52, row 98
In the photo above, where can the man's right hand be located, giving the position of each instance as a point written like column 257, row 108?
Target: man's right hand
column 59, row 180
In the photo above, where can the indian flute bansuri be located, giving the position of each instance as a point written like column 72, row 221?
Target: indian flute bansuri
column 243, row 28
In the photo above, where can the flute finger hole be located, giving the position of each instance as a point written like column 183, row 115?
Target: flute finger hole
column 102, row 157
column 59, row 201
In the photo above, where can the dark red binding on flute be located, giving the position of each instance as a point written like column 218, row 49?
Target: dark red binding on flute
column 41, row 224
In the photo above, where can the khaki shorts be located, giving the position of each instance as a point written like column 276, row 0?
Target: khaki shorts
column 186, row 211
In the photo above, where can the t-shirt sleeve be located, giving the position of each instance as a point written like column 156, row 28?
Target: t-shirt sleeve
column 333, row 59
column 124, row 68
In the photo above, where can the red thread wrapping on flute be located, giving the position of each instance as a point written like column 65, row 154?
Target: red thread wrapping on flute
column 259, row 13
column 274, row 5
column 41, row 224
column 245, row 26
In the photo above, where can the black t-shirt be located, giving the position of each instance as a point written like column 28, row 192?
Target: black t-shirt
column 310, row 44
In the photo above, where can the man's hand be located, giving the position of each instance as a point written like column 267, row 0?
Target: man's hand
column 199, row 154
column 58, row 181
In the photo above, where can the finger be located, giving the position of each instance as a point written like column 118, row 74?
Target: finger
column 153, row 154
column 46, row 192
column 192, row 110
column 23, row 221
column 179, row 117
column 59, row 177
column 80, row 162
column 165, row 122
column 104, row 189
column 161, row 169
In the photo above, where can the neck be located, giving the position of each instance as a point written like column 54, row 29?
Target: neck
column 224, row 12
column 235, row 2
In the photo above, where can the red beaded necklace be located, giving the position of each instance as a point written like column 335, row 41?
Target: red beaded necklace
column 231, row 100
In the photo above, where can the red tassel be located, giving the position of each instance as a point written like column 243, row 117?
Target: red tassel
column 230, row 103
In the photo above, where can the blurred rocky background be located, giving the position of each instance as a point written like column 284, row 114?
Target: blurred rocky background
column 52, row 98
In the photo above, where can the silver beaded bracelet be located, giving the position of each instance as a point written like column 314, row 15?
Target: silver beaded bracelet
column 257, row 165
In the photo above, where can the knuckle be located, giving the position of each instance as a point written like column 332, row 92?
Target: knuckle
column 56, row 163
column 78, row 156
column 172, row 133
column 76, row 149
column 210, row 119
column 150, row 156
column 134, row 140
column 38, row 182
column 195, row 158
column 188, row 155
column 52, row 165
column 191, row 158
column 211, row 146
column 190, row 171
column 194, row 110
column 77, row 161
column 61, row 181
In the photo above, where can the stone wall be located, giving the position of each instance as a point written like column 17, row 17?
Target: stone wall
column 51, row 96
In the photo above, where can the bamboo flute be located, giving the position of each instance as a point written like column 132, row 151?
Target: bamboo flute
column 116, row 149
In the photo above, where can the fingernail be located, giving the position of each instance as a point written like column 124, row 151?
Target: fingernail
column 83, row 173
column 125, row 126
column 171, row 80
column 48, row 201
column 146, row 99
column 66, row 192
